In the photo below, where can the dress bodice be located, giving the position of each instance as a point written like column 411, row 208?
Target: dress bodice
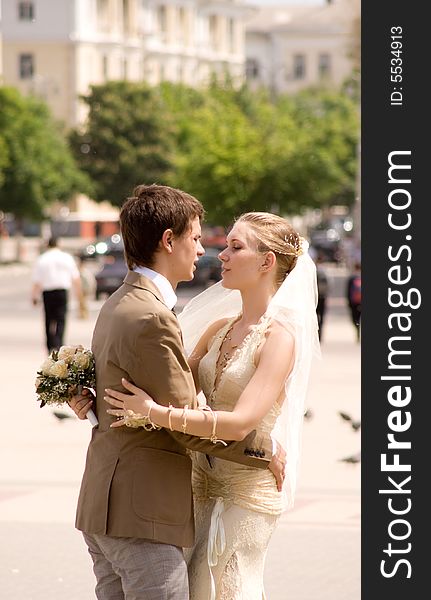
column 248, row 486
column 224, row 393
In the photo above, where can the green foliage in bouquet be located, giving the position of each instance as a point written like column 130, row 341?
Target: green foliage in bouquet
column 62, row 372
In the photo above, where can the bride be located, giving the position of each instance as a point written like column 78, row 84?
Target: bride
column 252, row 337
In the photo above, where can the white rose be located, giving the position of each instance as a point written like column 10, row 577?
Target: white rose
column 47, row 365
column 81, row 360
column 66, row 353
column 59, row 369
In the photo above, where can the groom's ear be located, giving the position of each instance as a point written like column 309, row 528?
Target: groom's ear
column 167, row 239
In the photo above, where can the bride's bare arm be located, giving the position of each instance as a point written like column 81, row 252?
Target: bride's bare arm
column 264, row 388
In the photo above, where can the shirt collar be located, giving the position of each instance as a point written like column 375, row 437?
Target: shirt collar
column 162, row 284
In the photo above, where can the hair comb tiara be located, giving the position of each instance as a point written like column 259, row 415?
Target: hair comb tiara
column 296, row 243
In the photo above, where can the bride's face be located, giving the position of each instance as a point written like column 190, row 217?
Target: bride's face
column 240, row 259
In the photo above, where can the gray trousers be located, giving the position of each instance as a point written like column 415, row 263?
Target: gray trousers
column 137, row 569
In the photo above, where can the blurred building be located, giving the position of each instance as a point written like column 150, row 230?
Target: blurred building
column 58, row 48
column 188, row 41
column 289, row 48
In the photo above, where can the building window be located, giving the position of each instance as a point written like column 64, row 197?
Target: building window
column 231, row 35
column 299, row 66
column 26, row 11
column 103, row 14
column 324, row 66
column 126, row 17
column 105, row 67
column 213, row 31
column 26, row 66
column 180, row 73
column 251, row 68
column 181, row 15
column 181, row 23
column 162, row 19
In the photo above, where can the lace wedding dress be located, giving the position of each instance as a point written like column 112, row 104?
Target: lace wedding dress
column 236, row 507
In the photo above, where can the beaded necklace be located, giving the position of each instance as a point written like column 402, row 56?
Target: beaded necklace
column 227, row 355
column 224, row 358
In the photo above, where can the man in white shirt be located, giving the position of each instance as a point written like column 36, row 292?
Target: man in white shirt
column 54, row 274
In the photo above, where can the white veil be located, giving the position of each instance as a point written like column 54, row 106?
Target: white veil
column 294, row 306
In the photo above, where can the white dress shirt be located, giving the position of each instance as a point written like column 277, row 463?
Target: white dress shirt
column 55, row 270
column 162, row 284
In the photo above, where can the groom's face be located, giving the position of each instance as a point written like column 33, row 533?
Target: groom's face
column 186, row 251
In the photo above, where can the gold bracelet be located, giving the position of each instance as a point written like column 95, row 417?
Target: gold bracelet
column 149, row 425
column 149, row 412
column 208, row 407
column 184, row 425
column 170, row 409
column 213, row 437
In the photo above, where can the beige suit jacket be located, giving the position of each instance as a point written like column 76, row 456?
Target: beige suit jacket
column 137, row 483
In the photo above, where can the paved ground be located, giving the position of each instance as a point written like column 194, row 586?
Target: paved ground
column 315, row 552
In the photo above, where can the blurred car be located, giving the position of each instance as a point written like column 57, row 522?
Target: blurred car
column 208, row 270
column 108, row 245
column 114, row 270
column 111, row 275
column 326, row 243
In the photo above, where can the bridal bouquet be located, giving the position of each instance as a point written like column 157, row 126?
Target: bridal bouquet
column 63, row 374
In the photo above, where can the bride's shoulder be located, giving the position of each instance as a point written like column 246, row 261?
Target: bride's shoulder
column 207, row 338
column 279, row 333
column 277, row 345
column 214, row 329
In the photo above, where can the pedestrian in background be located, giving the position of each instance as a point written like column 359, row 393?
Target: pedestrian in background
column 88, row 287
column 322, row 289
column 354, row 297
column 54, row 274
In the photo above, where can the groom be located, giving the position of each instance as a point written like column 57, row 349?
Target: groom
column 135, row 507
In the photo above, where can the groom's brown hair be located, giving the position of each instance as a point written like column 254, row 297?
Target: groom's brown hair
column 146, row 215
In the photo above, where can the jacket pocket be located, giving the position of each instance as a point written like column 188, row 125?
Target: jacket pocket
column 161, row 488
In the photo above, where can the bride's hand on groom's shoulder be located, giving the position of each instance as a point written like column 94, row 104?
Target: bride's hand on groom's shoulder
column 81, row 403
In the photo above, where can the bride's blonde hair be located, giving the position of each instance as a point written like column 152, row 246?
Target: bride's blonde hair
column 276, row 234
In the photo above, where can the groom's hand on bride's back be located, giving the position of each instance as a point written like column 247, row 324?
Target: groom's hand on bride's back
column 81, row 403
column 278, row 466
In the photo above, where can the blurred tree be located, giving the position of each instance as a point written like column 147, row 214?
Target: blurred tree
column 128, row 139
column 180, row 101
column 4, row 158
column 40, row 167
column 322, row 169
column 220, row 158
column 235, row 149
column 243, row 152
column 221, row 162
